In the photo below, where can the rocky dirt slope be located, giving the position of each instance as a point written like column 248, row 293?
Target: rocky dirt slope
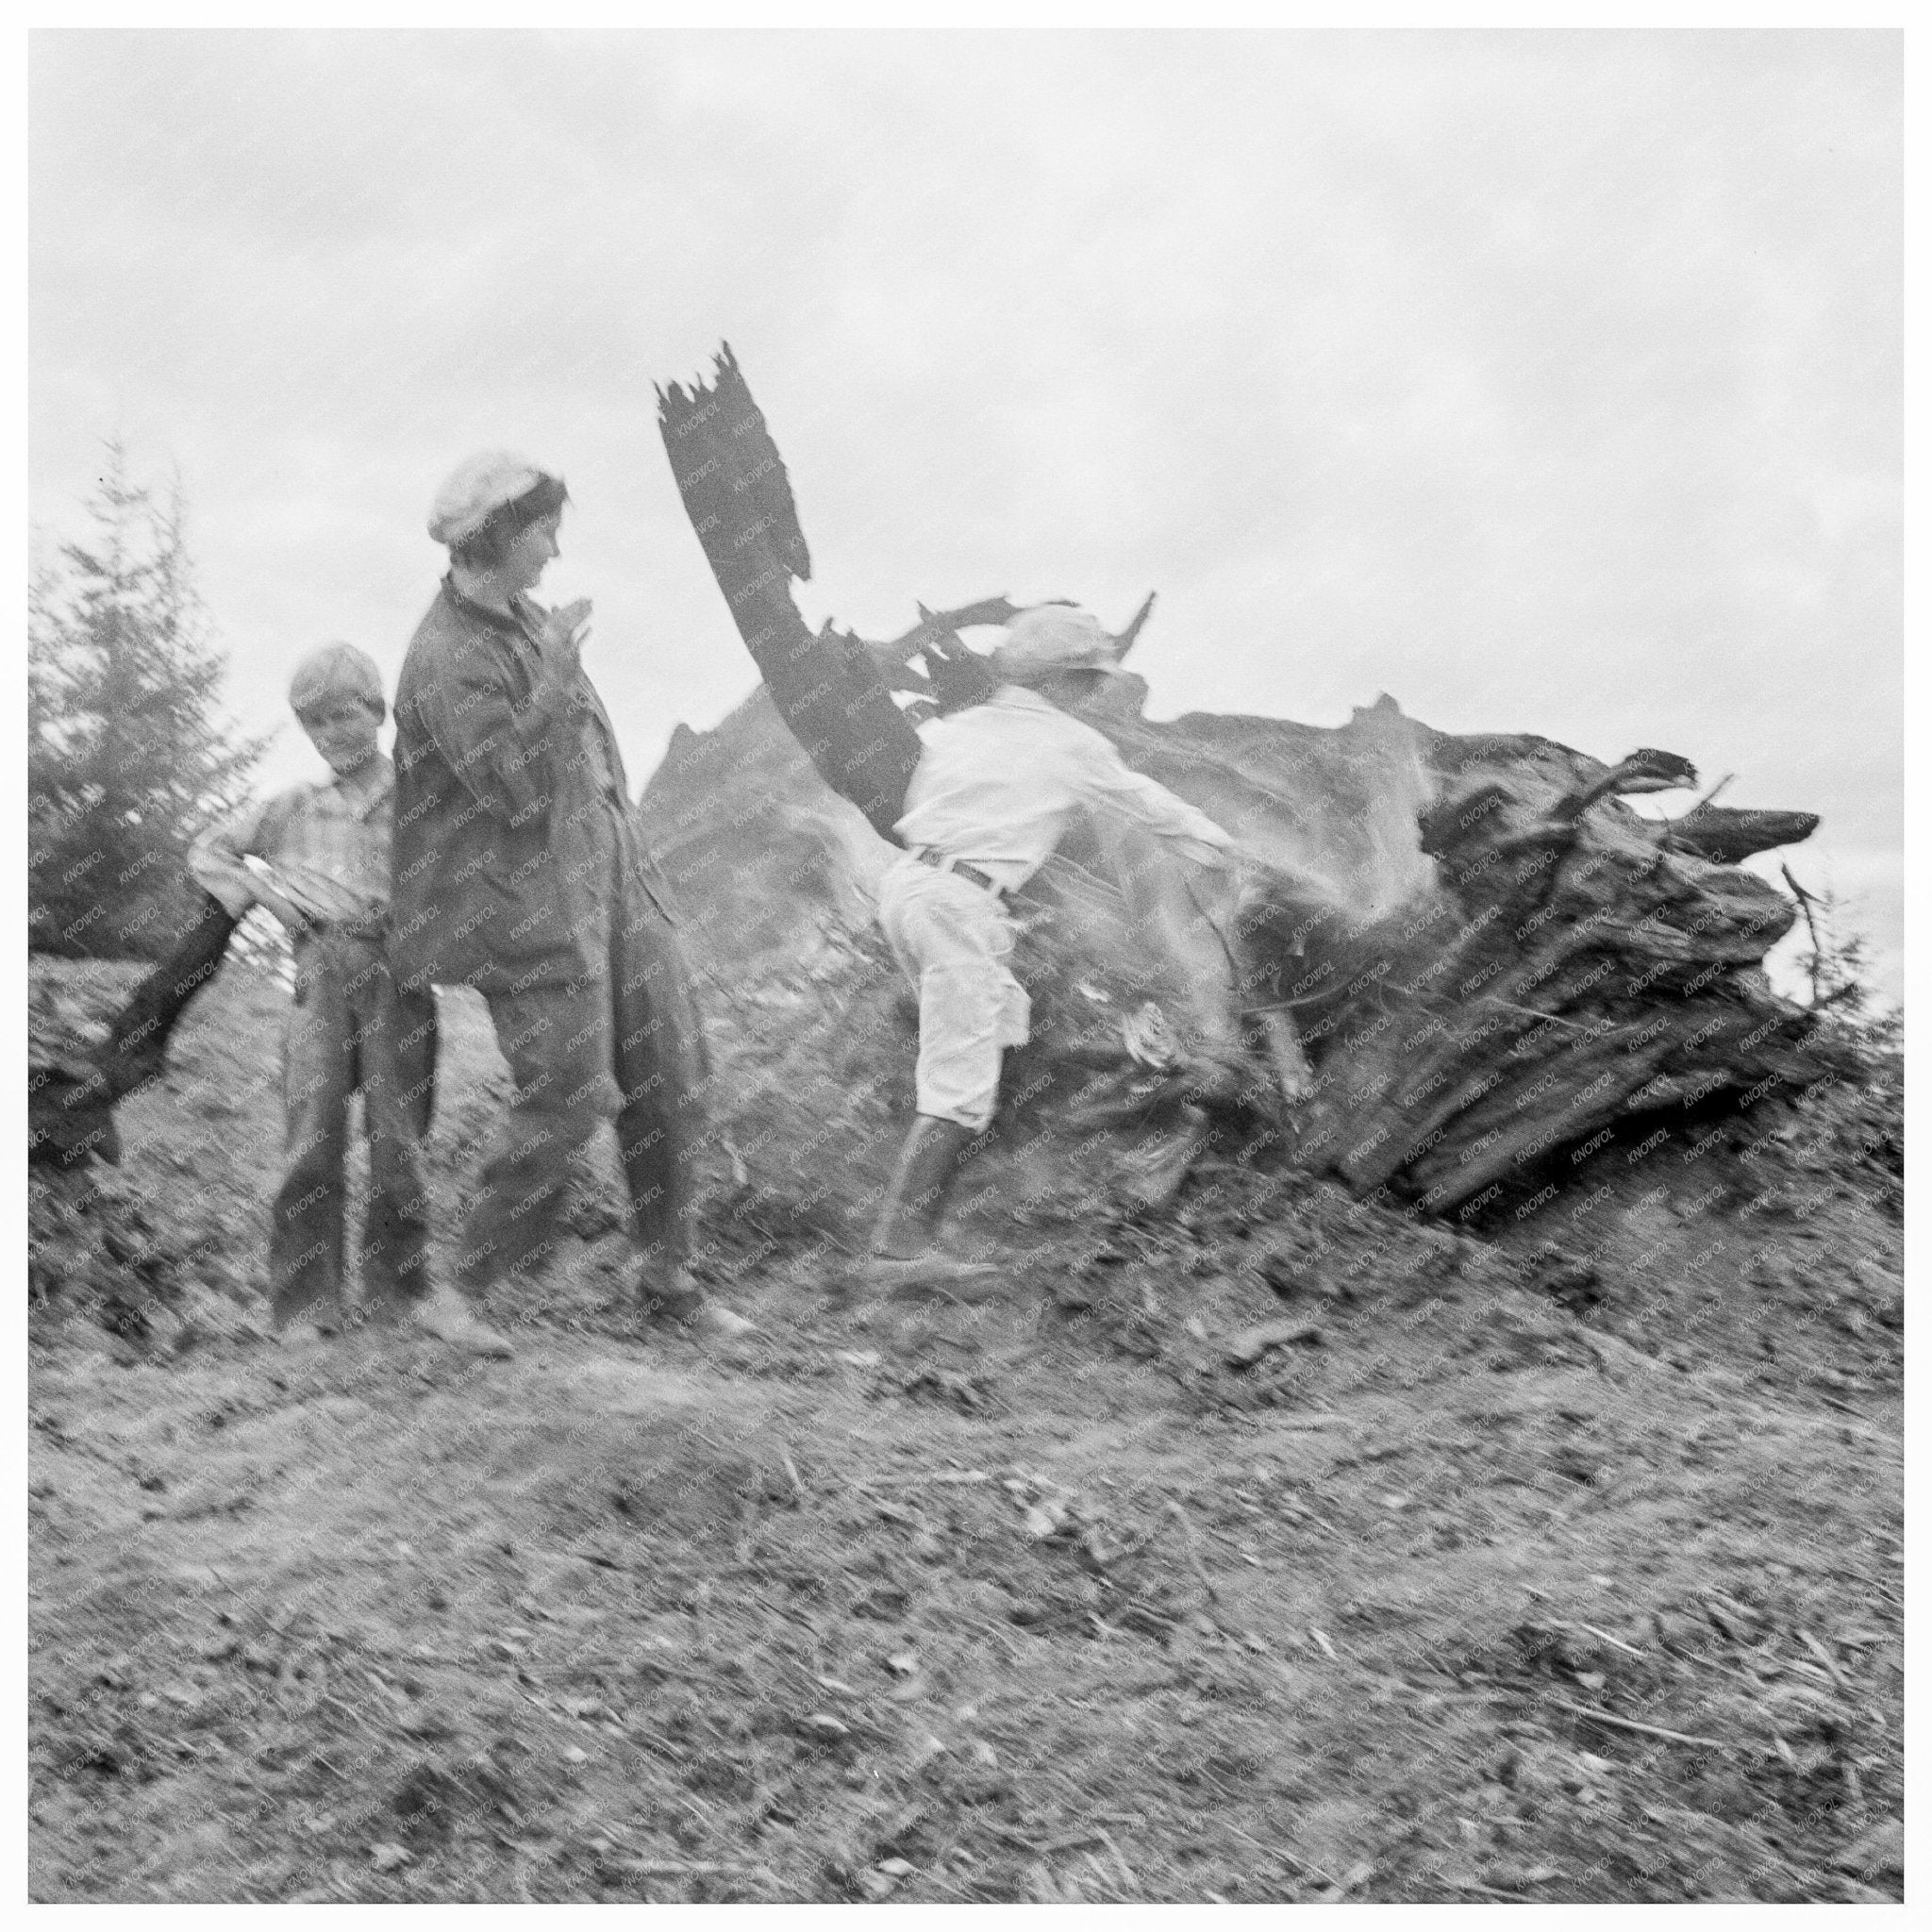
column 1281, row 1548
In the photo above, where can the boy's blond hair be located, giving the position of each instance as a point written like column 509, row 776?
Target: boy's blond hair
column 337, row 671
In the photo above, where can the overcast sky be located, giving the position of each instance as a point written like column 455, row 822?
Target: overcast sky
column 1551, row 382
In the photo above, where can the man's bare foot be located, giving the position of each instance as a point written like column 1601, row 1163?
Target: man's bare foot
column 448, row 1317
column 681, row 1306
column 714, row 1322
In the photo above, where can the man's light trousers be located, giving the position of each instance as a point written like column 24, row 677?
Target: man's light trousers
column 953, row 939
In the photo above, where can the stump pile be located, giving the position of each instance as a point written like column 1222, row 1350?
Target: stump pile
column 1490, row 957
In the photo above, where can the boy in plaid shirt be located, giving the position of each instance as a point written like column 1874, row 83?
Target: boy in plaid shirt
column 318, row 858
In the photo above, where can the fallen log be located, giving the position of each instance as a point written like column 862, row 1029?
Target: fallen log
column 78, row 1069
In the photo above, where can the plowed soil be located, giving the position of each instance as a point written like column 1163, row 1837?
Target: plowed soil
column 1558, row 1560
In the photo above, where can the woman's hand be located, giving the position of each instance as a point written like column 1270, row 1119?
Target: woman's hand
column 562, row 639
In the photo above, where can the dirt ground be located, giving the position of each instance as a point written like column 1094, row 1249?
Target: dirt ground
column 1556, row 1562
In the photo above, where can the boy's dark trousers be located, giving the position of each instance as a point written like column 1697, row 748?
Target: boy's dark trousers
column 350, row 1027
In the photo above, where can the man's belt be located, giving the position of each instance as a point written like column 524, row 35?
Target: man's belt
column 939, row 863
column 375, row 929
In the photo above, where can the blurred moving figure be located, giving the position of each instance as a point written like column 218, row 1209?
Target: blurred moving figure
column 996, row 784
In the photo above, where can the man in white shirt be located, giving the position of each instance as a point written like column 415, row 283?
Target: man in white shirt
column 996, row 787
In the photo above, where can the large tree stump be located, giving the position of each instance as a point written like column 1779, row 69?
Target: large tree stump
column 1489, row 958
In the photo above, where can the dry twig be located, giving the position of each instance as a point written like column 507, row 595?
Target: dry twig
column 1817, row 947
column 1195, row 1562
column 673, row 1867
column 1105, row 1838
column 1825, row 1657
column 1630, row 1723
column 1603, row 1636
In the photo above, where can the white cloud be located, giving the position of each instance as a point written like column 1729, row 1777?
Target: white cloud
column 1551, row 382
